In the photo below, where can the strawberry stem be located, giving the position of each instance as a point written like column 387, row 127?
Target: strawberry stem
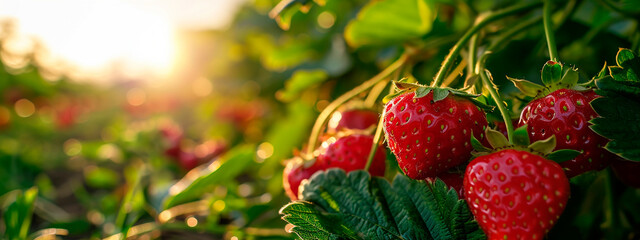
column 326, row 112
column 374, row 144
column 548, row 30
column 496, row 97
column 473, row 54
column 455, row 50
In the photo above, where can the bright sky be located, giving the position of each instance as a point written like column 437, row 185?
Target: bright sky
column 93, row 36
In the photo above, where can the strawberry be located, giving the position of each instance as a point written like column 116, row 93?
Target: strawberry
column 429, row 136
column 172, row 136
column 515, row 194
column 188, row 160
column 565, row 113
column 627, row 172
column 347, row 152
column 296, row 171
column 360, row 119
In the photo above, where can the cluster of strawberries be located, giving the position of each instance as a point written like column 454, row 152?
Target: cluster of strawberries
column 514, row 191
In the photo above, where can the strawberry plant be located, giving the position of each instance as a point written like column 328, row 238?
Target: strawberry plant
column 334, row 119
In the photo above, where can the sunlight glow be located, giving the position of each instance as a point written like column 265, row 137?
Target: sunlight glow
column 97, row 37
column 110, row 39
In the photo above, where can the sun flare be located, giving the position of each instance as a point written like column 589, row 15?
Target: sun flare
column 100, row 40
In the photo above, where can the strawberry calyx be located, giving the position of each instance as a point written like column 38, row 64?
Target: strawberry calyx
column 555, row 76
column 543, row 148
column 439, row 93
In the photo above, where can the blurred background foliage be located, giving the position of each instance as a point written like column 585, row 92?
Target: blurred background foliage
column 201, row 157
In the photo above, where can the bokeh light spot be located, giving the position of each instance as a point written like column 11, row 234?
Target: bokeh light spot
column 136, row 97
column 265, row 150
column 72, row 147
column 245, row 189
column 219, row 205
column 192, row 221
column 24, row 108
column 326, row 19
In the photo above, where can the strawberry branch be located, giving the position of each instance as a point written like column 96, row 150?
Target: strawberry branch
column 486, row 81
column 326, row 113
column 548, row 30
column 455, row 50
column 374, row 145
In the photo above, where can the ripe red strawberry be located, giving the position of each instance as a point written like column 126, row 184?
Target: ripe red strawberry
column 515, row 194
column 352, row 119
column 172, row 137
column 627, row 172
column 566, row 113
column 188, row 160
column 561, row 108
column 348, row 153
column 429, row 137
column 296, row 171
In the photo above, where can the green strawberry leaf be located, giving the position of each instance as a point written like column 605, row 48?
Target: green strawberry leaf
column 311, row 223
column 610, row 87
column 406, row 86
column 521, row 136
column 628, row 61
column 544, row 146
column 440, row 93
column 337, row 205
column 563, row 155
column 389, row 22
column 570, row 77
column 189, row 189
column 496, row 139
column 300, row 81
column 619, row 121
column 551, row 73
column 477, row 145
column 619, row 108
column 17, row 217
column 422, row 91
column 527, row 88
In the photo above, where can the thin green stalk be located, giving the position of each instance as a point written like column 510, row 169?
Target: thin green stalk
column 492, row 88
column 473, row 54
column 375, row 92
column 374, row 145
column 548, row 30
column 326, row 113
column 455, row 50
